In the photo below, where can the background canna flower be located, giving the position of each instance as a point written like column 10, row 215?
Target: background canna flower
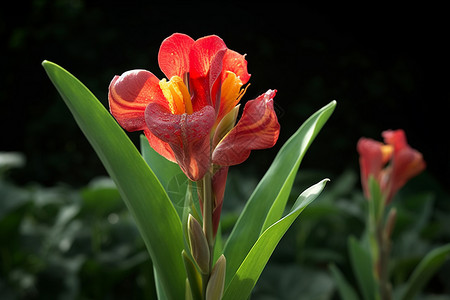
column 391, row 164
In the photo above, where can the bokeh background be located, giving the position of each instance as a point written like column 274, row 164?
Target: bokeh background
column 385, row 64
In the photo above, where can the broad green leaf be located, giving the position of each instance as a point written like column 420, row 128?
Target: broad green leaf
column 172, row 178
column 141, row 191
column 425, row 270
column 346, row 291
column 249, row 271
column 267, row 203
column 363, row 269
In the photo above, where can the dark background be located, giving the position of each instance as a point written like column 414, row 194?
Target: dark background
column 387, row 67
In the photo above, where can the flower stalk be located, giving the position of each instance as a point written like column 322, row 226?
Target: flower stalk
column 208, row 210
column 380, row 233
column 385, row 168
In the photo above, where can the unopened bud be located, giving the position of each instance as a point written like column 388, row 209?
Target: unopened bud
column 198, row 244
column 188, row 292
column 216, row 283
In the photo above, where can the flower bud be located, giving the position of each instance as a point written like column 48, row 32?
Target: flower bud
column 188, row 292
column 198, row 244
column 216, row 283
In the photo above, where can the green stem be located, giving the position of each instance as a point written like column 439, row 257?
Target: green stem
column 208, row 224
column 382, row 264
column 208, row 209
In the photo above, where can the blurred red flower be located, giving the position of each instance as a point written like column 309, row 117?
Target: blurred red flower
column 391, row 164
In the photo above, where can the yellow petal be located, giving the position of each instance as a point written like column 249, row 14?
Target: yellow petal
column 177, row 95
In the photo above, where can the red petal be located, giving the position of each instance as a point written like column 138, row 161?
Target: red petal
column 187, row 135
column 237, row 64
column 129, row 95
column 406, row 162
column 159, row 146
column 173, row 56
column 205, row 67
column 202, row 53
column 370, row 161
column 257, row 129
column 396, row 138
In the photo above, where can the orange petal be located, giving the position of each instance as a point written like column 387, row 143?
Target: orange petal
column 231, row 94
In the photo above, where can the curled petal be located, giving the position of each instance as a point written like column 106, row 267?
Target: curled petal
column 187, row 135
column 202, row 56
column 236, row 63
column 257, row 129
column 129, row 95
column 205, row 60
column 173, row 56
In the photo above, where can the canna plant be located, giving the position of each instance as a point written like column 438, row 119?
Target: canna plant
column 192, row 137
column 385, row 169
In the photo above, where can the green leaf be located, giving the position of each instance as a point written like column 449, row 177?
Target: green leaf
column 267, row 203
column 346, row 291
column 425, row 270
column 172, row 178
column 249, row 271
column 143, row 194
column 363, row 269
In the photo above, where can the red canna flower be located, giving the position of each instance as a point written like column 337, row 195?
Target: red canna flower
column 190, row 119
column 180, row 116
column 391, row 164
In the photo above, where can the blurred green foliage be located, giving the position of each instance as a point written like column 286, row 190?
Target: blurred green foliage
column 65, row 243
column 386, row 66
column 81, row 243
